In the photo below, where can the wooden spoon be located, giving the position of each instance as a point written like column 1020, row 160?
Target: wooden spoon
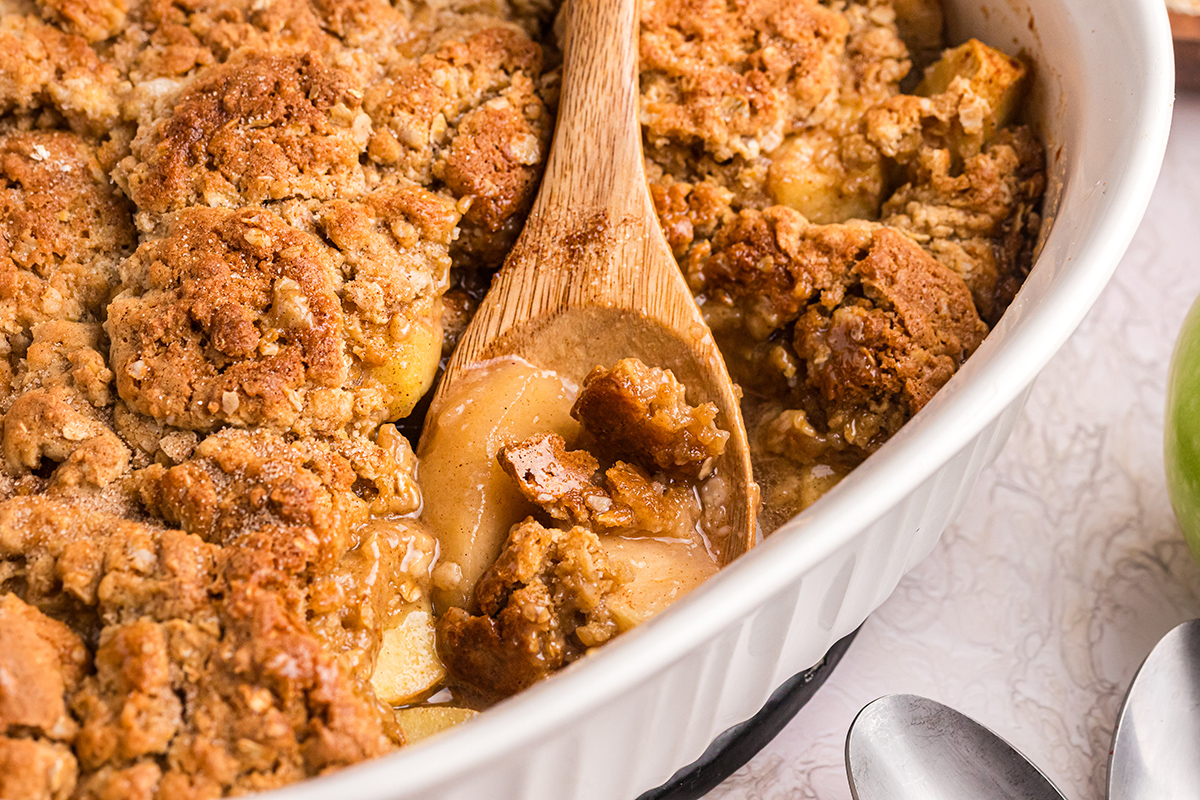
column 591, row 279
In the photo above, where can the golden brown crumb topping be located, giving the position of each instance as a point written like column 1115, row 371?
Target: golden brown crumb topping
column 44, row 70
column 58, row 414
column 63, row 231
column 208, row 677
column 982, row 221
column 562, row 482
column 736, row 76
column 473, row 116
column 258, row 128
column 236, row 317
column 541, row 606
column 642, row 413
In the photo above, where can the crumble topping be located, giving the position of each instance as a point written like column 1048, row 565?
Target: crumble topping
column 63, row 232
column 256, row 128
column 541, row 605
column 216, row 293
column 236, row 317
column 54, row 77
column 642, row 413
column 475, row 115
column 736, row 76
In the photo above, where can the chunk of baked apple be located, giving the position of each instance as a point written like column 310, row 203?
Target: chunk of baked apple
column 412, row 365
column 421, row 722
column 974, row 70
column 407, row 667
column 826, row 179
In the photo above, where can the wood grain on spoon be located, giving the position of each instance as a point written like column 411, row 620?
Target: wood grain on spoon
column 591, row 279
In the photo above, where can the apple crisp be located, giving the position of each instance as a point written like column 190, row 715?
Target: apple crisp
column 238, row 238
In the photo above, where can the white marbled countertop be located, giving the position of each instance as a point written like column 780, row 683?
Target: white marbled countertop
column 1066, row 566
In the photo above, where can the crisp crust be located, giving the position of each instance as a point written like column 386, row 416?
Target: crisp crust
column 972, row 195
column 542, row 604
column 831, row 370
column 417, row 109
column 257, row 128
column 736, row 76
column 472, row 116
column 41, row 67
column 689, row 212
column 236, row 317
column 641, row 413
column 44, row 424
column 495, row 161
column 63, row 231
column 249, row 704
column 171, row 40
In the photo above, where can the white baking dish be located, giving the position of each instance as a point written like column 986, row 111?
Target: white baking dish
column 624, row 720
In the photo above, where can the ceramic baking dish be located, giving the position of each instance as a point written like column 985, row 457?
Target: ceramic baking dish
column 624, row 720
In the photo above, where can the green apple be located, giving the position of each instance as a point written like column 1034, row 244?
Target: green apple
column 1181, row 440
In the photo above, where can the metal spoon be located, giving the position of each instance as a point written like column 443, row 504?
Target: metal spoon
column 903, row 746
column 1157, row 742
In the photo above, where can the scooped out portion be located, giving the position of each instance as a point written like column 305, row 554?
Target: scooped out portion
column 596, row 506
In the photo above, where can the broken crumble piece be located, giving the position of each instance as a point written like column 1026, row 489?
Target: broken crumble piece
column 541, row 607
column 568, row 485
column 642, row 413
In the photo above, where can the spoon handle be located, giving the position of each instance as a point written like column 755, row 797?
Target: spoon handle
column 595, row 164
column 591, row 279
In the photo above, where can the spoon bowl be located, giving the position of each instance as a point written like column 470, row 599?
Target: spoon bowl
column 904, row 747
column 1158, row 731
column 591, row 280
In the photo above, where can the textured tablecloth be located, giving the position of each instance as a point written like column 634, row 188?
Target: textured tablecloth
column 1066, row 565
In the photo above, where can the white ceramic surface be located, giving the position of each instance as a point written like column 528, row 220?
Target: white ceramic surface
column 626, row 719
